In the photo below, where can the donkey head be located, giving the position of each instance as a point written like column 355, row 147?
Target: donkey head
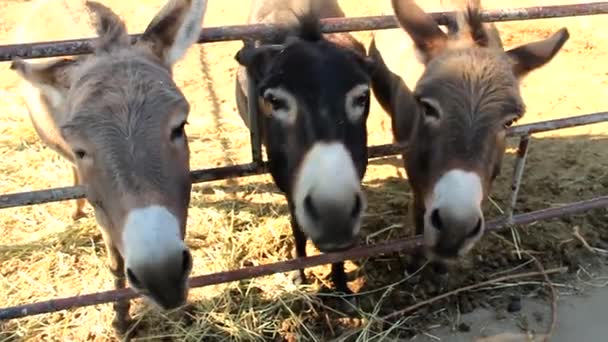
column 126, row 130
column 315, row 95
column 457, row 118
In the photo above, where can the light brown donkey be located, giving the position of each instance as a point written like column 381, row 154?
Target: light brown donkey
column 455, row 120
column 119, row 116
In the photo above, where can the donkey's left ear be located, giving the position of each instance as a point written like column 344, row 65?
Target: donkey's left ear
column 257, row 59
column 174, row 29
column 52, row 78
column 534, row 55
column 370, row 65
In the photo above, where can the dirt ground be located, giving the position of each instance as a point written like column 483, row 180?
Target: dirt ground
column 237, row 223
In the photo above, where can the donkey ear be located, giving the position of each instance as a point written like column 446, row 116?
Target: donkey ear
column 257, row 60
column 534, row 55
column 51, row 78
column 421, row 27
column 110, row 28
column 174, row 29
column 393, row 95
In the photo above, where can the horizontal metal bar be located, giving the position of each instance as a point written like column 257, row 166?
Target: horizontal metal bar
column 198, row 176
column 252, row 169
column 553, row 125
column 257, row 31
column 288, row 265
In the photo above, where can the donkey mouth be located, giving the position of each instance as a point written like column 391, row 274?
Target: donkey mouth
column 167, row 306
column 447, row 254
column 333, row 248
column 164, row 302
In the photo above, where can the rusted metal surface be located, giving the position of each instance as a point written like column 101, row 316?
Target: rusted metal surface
column 241, row 32
column 288, row 265
column 251, row 169
column 552, row 125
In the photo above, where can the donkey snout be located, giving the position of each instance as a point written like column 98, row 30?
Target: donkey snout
column 339, row 210
column 454, row 219
column 327, row 197
column 455, row 232
column 164, row 283
column 337, row 222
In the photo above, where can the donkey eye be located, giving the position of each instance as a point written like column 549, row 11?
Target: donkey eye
column 429, row 110
column 276, row 103
column 80, row 154
column 178, row 132
column 508, row 124
column 361, row 100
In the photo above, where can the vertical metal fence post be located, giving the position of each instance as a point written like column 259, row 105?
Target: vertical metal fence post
column 254, row 121
column 518, row 172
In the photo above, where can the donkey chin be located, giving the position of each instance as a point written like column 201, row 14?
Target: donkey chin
column 334, row 233
column 164, row 301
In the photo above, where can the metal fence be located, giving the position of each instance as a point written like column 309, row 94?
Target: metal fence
column 259, row 166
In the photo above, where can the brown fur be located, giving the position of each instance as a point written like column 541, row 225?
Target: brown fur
column 473, row 86
column 118, row 116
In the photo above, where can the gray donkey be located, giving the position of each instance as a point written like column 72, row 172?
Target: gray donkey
column 118, row 116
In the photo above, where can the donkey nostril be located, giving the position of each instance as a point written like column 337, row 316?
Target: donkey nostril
column 357, row 208
column 477, row 229
column 310, row 208
column 132, row 278
column 436, row 220
column 186, row 262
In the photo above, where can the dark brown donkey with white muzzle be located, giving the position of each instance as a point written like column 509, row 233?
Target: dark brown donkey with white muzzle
column 119, row 117
column 313, row 96
column 455, row 121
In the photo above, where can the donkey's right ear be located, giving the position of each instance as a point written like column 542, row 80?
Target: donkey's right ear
column 257, row 59
column 51, row 78
column 393, row 96
column 421, row 27
column 174, row 29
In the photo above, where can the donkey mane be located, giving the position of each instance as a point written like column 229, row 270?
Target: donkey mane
column 471, row 27
column 308, row 26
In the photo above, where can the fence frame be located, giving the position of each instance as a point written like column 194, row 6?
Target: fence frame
column 258, row 166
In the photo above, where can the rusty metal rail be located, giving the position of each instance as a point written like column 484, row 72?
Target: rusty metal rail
column 240, row 32
column 243, row 170
column 289, row 265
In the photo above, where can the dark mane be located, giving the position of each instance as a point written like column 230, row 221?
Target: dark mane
column 472, row 23
column 308, row 26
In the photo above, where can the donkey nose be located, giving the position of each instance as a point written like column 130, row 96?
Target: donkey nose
column 357, row 207
column 461, row 226
column 310, row 208
column 315, row 213
column 436, row 220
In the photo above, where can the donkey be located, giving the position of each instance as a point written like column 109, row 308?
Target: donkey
column 119, row 117
column 455, row 120
column 313, row 96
